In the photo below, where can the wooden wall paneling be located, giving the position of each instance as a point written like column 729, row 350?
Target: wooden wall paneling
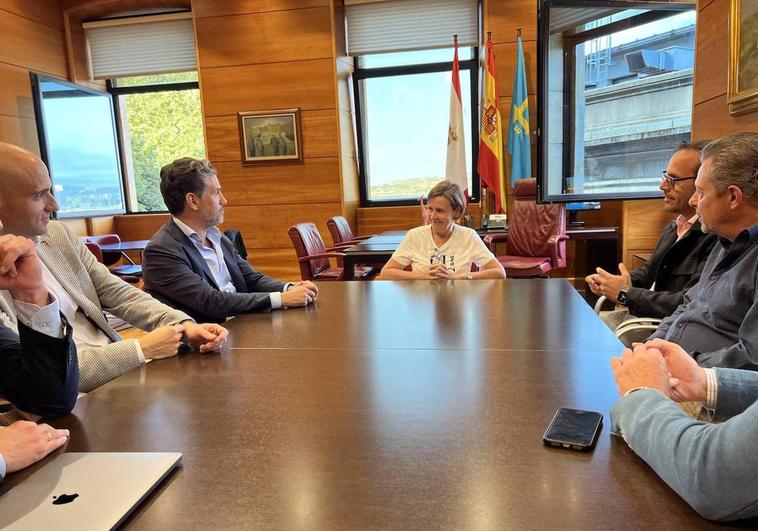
column 278, row 36
column 711, row 52
column 32, row 45
column 375, row 220
column 314, row 181
column 266, row 226
column 319, row 136
column 305, row 84
column 503, row 19
column 278, row 263
column 19, row 131
column 138, row 227
column 77, row 226
column 47, row 12
column 103, row 225
column 15, row 92
column 643, row 222
column 710, row 115
column 214, row 8
column 711, row 119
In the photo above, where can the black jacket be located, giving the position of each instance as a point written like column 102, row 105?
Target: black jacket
column 38, row 373
column 674, row 266
column 176, row 273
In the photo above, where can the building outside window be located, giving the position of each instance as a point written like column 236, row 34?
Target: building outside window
column 618, row 89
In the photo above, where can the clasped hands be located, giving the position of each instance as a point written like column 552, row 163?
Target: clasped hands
column 300, row 294
column 606, row 284
column 438, row 271
column 663, row 366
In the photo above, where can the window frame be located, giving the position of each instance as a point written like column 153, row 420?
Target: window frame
column 360, row 74
column 658, row 10
column 128, row 179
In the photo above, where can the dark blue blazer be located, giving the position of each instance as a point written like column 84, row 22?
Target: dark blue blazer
column 176, row 274
column 38, row 373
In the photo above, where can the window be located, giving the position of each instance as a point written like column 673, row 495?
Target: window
column 160, row 121
column 403, row 111
column 615, row 96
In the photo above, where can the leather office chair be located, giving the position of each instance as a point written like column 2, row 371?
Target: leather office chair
column 313, row 256
column 129, row 273
column 341, row 233
column 236, row 238
column 536, row 239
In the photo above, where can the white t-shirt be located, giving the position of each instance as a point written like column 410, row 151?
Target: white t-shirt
column 457, row 254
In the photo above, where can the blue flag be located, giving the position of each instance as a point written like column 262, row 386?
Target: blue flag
column 518, row 129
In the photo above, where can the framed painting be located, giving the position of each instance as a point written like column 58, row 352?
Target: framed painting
column 742, row 94
column 270, row 136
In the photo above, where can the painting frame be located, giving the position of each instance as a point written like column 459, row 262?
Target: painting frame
column 270, row 136
column 742, row 86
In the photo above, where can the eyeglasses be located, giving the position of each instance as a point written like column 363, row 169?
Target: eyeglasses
column 673, row 180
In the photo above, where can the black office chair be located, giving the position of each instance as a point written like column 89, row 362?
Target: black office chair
column 236, row 237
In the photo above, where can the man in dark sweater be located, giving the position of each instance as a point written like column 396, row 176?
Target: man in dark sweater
column 658, row 287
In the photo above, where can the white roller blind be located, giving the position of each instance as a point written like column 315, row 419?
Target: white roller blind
column 401, row 25
column 141, row 45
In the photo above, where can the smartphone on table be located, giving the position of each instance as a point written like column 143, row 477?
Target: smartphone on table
column 575, row 429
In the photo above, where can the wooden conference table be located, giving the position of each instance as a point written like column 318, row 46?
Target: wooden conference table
column 603, row 252
column 416, row 405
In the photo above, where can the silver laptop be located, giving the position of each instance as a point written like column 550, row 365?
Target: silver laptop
column 80, row 491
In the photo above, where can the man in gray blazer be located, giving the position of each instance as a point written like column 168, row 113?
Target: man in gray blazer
column 84, row 288
column 190, row 265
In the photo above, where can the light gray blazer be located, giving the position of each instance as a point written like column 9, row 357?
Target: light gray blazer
column 95, row 290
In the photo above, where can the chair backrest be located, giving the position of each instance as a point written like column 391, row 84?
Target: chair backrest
column 339, row 229
column 104, row 239
column 530, row 225
column 239, row 244
column 94, row 249
column 307, row 242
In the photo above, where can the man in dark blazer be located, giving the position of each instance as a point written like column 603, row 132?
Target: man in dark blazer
column 658, row 287
column 190, row 265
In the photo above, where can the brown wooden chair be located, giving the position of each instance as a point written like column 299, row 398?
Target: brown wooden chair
column 313, row 256
column 536, row 239
column 341, row 233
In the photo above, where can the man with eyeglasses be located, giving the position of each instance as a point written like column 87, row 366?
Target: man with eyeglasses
column 657, row 288
column 718, row 321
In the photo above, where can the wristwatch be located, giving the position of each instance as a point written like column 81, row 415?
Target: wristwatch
column 469, row 276
column 621, row 298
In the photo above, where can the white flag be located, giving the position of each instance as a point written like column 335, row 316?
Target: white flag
column 455, row 170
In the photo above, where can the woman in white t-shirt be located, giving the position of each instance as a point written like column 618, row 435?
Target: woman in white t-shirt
column 443, row 249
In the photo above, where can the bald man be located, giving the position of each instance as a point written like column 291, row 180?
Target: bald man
column 84, row 288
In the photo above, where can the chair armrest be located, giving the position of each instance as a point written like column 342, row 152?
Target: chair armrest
column 320, row 255
column 361, row 238
column 636, row 330
column 555, row 255
column 491, row 239
column 600, row 302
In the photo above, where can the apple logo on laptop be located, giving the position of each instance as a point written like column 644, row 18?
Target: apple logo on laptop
column 63, row 499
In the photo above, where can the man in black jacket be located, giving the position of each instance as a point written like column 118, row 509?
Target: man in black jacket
column 39, row 371
column 190, row 265
column 658, row 287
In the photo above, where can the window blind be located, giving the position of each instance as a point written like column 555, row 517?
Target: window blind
column 404, row 25
column 138, row 46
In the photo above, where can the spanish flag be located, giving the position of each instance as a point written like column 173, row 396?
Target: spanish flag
column 490, row 163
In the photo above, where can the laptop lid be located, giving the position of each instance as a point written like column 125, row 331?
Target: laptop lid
column 80, row 491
